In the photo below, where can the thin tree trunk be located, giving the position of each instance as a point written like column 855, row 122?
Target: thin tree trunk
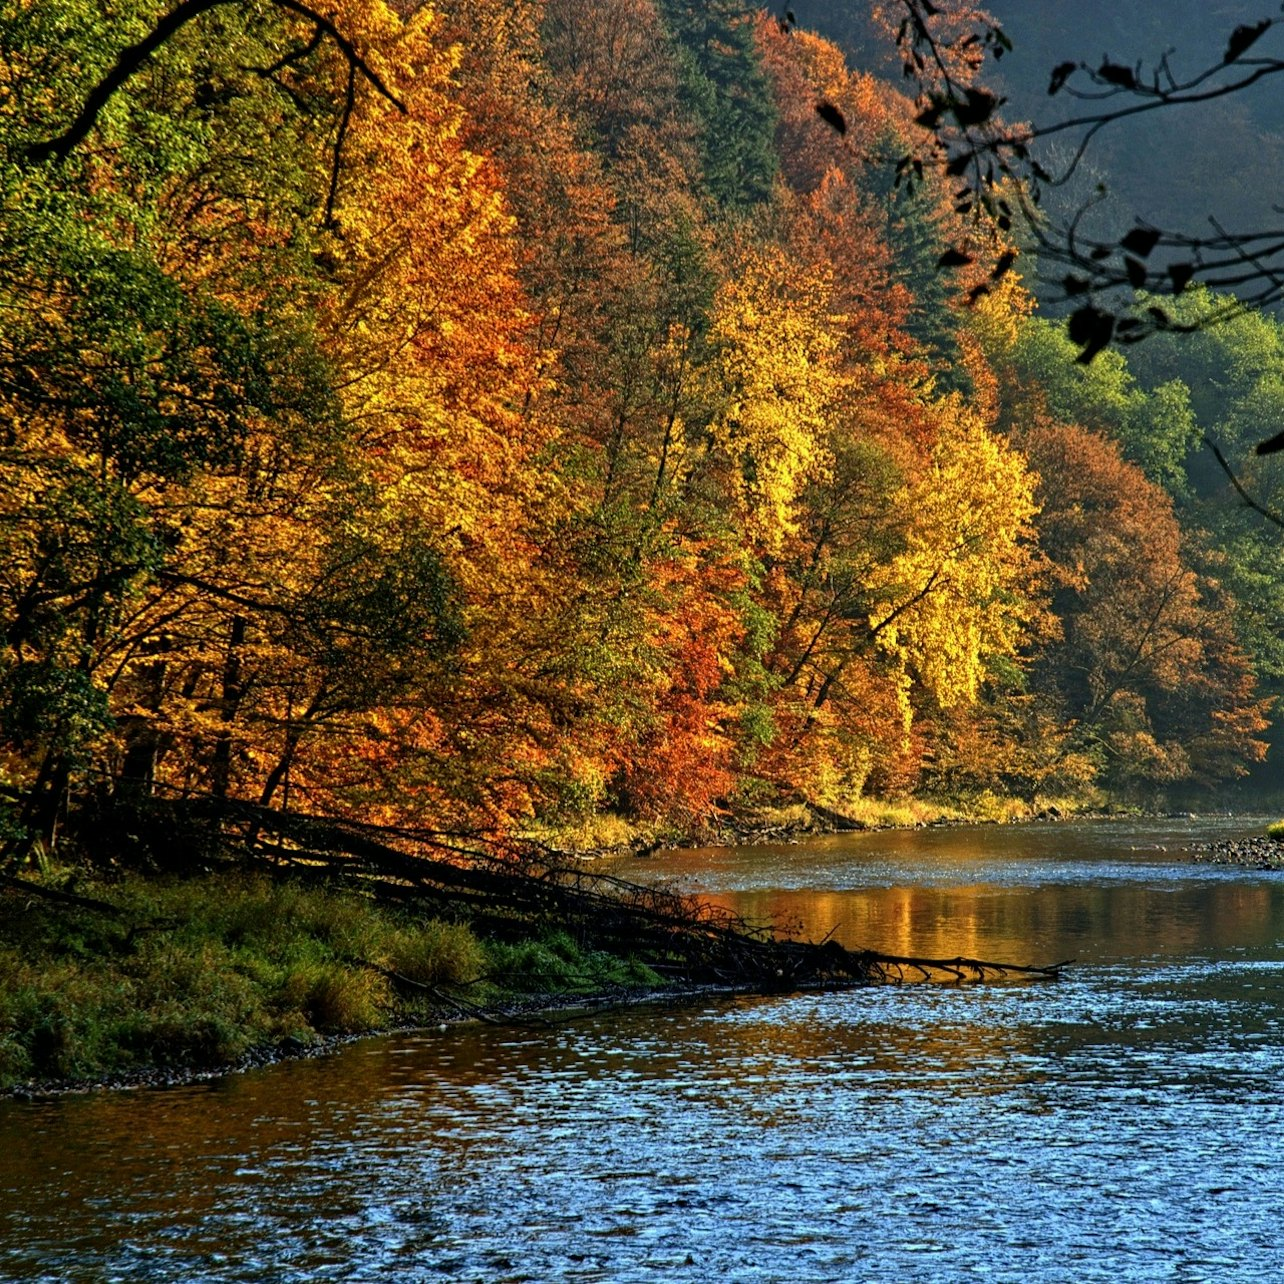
column 233, row 692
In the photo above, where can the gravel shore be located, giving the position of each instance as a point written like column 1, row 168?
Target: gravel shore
column 1255, row 853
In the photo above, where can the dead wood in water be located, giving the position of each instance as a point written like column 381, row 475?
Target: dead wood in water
column 896, row 967
column 516, row 891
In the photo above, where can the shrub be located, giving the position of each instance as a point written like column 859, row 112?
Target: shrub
column 437, row 953
column 181, row 1037
column 336, row 999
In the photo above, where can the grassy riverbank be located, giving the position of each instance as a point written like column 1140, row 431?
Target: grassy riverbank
column 141, row 976
column 608, row 832
column 183, row 975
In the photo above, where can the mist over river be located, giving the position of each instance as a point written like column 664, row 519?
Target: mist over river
column 1123, row 1123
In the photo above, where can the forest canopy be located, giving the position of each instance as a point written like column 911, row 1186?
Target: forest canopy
column 481, row 415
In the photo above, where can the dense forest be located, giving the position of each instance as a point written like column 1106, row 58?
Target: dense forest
column 484, row 414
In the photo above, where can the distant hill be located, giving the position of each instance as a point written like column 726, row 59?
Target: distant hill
column 1174, row 168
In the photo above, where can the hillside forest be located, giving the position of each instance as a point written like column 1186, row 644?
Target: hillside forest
column 482, row 415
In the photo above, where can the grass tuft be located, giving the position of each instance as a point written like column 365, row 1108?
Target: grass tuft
column 334, row 999
column 438, row 953
column 556, row 963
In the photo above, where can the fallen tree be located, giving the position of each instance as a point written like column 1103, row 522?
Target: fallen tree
column 513, row 890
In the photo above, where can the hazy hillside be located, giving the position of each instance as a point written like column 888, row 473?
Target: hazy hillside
column 1224, row 158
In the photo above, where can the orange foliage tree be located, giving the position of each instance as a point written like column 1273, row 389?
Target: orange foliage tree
column 1148, row 671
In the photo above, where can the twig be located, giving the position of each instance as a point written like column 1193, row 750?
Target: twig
column 131, row 59
column 1243, row 494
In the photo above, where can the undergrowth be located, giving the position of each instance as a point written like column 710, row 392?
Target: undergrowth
column 195, row 973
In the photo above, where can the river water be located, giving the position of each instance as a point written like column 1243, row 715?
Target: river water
column 1122, row 1124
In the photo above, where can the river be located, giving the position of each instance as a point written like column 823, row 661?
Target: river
column 1121, row 1124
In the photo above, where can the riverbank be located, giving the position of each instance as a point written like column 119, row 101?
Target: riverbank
column 607, row 834
column 146, row 979
column 157, row 979
column 154, row 981
column 1259, row 852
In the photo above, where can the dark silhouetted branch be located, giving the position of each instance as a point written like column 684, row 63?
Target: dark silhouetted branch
column 133, row 57
column 1239, row 486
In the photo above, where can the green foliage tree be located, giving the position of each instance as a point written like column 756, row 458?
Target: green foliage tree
column 1155, row 425
column 728, row 96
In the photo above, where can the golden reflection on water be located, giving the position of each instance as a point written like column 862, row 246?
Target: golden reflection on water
column 1030, row 893
column 1023, row 925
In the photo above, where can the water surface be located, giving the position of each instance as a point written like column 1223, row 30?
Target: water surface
column 1121, row 1124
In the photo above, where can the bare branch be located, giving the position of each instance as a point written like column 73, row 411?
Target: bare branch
column 988, row 154
column 132, row 58
column 1239, row 486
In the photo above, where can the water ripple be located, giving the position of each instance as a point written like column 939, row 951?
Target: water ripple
column 1121, row 1125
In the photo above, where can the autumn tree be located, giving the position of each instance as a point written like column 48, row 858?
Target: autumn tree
column 288, row 388
column 135, row 365
column 1148, row 670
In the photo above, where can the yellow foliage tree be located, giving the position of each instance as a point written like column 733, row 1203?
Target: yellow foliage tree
column 774, row 383
column 959, row 593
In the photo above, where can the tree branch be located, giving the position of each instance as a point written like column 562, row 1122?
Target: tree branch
column 967, row 141
column 132, row 58
column 1239, row 486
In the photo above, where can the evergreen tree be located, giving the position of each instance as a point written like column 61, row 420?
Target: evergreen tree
column 726, row 91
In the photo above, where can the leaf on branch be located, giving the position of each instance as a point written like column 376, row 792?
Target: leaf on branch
column 1140, row 241
column 1003, row 265
column 1244, row 37
column 1114, row 73
column 930, row 116
column 1060, row 74
column 1075, row 284
column 974, row 108
column 1160, row 318
column 1271, row 446
column 832, row 116
column 1136, row 270
column 1090, row 329
column 953, row 258
column 1180, row 274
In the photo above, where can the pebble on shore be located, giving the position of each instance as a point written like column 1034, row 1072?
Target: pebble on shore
column 1256, row 853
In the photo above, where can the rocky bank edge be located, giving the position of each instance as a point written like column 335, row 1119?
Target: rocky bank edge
column 1253, row 853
